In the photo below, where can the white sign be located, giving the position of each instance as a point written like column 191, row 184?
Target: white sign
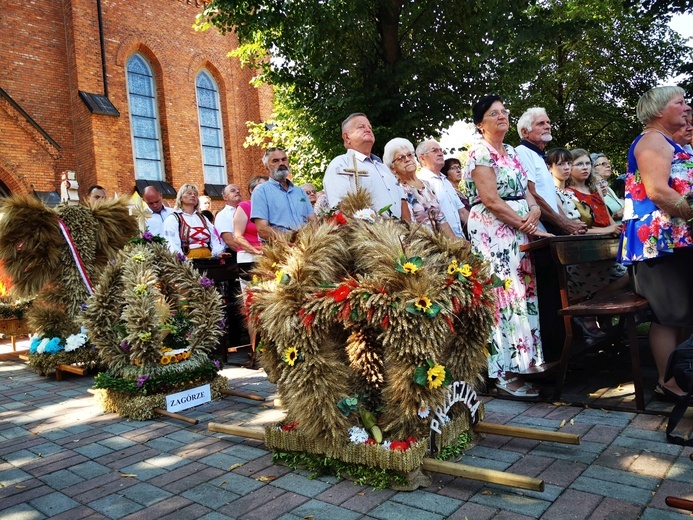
column 458, row 392
column 188, row 398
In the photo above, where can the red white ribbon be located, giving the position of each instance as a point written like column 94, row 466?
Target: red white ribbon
column 77, row 257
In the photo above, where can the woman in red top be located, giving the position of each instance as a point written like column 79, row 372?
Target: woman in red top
column 583, row 184
column 244, row 230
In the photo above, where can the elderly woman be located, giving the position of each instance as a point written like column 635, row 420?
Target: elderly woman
column 189, row 232
column 657, row 237
column 583, row 185
column 399, row 156
column 503, row 215
column 602, row 170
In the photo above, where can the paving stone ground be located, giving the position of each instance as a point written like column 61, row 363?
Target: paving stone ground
column 61, row 457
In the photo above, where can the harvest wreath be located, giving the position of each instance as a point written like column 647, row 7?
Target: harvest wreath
column 364, row 325
column 154, row 320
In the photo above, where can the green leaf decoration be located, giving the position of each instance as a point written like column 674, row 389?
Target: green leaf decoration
column 433, row 311
column 421, row 376
column 448, row 377
column 385, row 209
column 496, row 281
column 348, row 405
column 412, row 309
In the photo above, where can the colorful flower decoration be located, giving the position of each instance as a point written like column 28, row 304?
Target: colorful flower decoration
column 74, row 341
column 409, row 265
column 465, row 270
column 358, row 435
column 433, row 375
column 290, row 356
column 452, row 268
column 141, row 380
column 366, row 214
column 508, row 284
column 138, row 257
column 206, row 282
column 140, row 289
column 423, row 306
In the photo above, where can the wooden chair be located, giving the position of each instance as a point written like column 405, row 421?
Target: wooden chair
column 626, row 304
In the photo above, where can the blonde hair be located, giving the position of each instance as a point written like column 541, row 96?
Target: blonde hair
column 652, row 102
column 181, row 192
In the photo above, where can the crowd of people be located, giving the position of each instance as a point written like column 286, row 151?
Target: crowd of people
column 499, row 199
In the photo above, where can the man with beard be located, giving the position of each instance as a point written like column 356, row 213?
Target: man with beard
column 534, row 127
column 373, row 175
column 277, row 206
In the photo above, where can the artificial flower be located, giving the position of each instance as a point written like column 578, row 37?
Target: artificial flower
column 453, row 267
column 341, row 292
column 290, row 427
column 465, row 270
column 358, row 435
column 217, row 364
column 165, row 360
column 366, row 214
column 138, row 257
column 424, row 411
column 508, row 284
column 399, row 446
column 206, row 282
column 141, row 380
column 409, row 268
column 436, row 376
column 409, row 265
column 74, row 341
column 290, row 355
column 423, row 303
column 145, row 337
column 140, row 289
column 147, row 236
column 371, row 441
column 386, row 445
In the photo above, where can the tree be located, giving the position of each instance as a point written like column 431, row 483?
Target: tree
column 588, row 62
column 411, row 66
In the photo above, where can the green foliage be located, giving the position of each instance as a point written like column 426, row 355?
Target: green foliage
column 172, row 381
column 453, row 450
column 588, row 62
column 320, row 465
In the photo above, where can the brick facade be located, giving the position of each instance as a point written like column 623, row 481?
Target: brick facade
column 52, row 50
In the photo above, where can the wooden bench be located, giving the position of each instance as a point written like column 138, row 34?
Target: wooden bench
column 625, row 304
column 72, row 369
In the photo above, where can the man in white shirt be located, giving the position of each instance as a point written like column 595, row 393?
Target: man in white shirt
column 373, row 175
column 534, row 128
column 223, row 222
column 153, row 199
column 432, row 159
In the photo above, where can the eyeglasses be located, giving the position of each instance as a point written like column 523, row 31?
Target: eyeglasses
column 406, row 156
column 434, row 150
column 604, row 163
column 581, row 164
column 497, row 113
column 455, row 167
column 310, row 192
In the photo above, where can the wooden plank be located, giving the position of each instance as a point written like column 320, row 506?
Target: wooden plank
column 226, row 391
column 679, row 503
column 73, row 369
column 491, row 476
column 526, row 433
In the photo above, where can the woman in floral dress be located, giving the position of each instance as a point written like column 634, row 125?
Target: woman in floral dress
column 657, row 239
column 503, row 215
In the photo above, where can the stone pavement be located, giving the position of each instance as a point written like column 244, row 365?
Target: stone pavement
column 60, row 457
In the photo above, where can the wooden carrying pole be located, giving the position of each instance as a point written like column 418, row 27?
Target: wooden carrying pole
column 447, row 468
column 226, row 391
column 527, row 433
column 172, row 415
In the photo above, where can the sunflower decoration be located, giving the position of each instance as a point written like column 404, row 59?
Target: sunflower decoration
column 152, row 315
column 389, row 312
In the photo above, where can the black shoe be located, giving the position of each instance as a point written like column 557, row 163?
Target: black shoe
column 664, row 394
column 594, row 334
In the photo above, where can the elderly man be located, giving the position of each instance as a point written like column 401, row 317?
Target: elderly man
column 373, row 175
column 153, row 199
column 96, row 194
column 278, row 206
column 224, row 219
column 534, row 128
column 432, row 159
column 312, row 193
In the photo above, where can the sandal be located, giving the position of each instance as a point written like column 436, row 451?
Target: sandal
column 590, row 333
column 526, row 390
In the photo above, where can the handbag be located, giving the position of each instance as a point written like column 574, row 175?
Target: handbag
column 680, row 367
column 585, row 211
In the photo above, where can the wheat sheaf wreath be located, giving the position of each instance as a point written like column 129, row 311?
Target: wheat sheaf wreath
column 146, row 296
column 369, row 317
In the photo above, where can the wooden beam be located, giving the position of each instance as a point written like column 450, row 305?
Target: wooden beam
column 249, row 432
column 491, row 476
column 172, row 415
column 679, row 503
column 527, row 433
column 254, row 397
column 438, row 466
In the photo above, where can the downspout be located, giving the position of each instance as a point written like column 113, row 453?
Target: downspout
column 102, row 42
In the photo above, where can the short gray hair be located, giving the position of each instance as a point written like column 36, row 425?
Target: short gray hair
column 346, row 122
column 526, row 119
column 652, row 102
column 392, row 146
column 265, row 158
column 424, row 147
